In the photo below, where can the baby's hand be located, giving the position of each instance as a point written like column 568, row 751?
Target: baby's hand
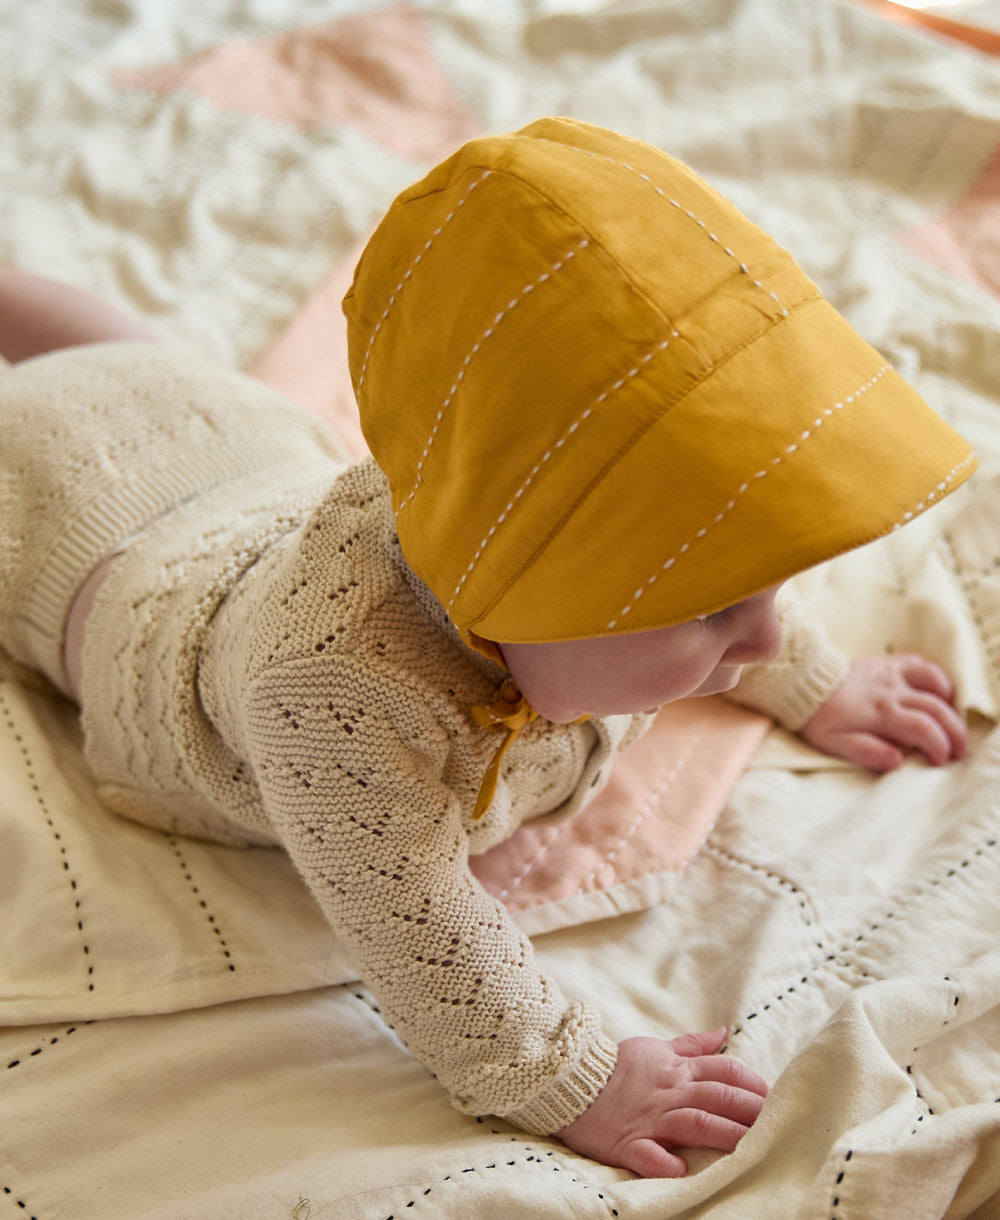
column 887, row 705
column 668, row 1094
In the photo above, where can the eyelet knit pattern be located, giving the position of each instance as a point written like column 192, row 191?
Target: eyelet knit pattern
column 262, row 667
column 348, row 698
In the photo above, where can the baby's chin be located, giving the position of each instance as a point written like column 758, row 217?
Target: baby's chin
column 721, row 679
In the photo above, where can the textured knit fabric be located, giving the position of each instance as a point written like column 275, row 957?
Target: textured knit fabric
column 325, row 707
column 92, row 453
column 262, row 666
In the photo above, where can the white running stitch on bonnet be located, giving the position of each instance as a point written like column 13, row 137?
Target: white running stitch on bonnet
column 676, row 204
column 567, row 433
column 460, row 375
column 407, row 274
column 745, row 487
column 931, row 497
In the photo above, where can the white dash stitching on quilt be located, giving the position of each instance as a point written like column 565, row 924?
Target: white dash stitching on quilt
column 654, row 798
column 651, row 802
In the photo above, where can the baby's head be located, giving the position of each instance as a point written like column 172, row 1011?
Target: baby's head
column 607, row 404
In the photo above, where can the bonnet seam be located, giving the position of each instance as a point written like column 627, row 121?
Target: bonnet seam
column 623, row 449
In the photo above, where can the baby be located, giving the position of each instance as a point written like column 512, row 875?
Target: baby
column 608, row 419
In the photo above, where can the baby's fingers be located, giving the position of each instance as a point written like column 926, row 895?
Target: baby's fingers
column 705, row 1043
column 925, row 675
column 724, row 1069
column 927, row 724
column 694, row 1128
column 739, row 1105
column 949, row 733
column 866, row 750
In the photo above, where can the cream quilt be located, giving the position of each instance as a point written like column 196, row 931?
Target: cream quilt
column 179, row 1034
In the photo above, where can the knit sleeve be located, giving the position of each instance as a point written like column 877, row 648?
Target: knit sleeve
column 804, row 675
column 351, row 773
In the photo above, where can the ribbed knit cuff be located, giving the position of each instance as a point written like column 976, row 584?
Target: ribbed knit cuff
column 569, row 1094
column 811, row 689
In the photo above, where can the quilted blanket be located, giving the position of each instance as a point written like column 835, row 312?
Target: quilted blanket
column 180, row 1035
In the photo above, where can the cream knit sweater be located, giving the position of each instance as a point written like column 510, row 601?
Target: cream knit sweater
column 261, row 666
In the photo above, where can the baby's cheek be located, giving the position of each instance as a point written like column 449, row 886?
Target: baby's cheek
column 686, row 678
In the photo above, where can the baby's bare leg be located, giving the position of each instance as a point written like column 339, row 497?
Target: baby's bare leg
column 76, row 622
column 39, row 315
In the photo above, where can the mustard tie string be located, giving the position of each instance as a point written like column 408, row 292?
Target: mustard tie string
column 511, row 711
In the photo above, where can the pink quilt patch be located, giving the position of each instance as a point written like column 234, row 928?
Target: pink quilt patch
column 965, row 240
column 659, row 805
column 308, row 360
column 376, row 72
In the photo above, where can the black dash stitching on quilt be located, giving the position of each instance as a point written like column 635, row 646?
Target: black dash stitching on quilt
column 977, row 853
column 956, row 1000
column 20, row 1202
column 791, row 989
column 369, row 1002
column 987, row 845
column 33, row 1054
column 840, row 957
column 533, row 1157
column 840, row 1177
column 29, row 767
column 779, row 998
column 789, row 887
column 841, row 960
column 212, row 922
column 920, row 1097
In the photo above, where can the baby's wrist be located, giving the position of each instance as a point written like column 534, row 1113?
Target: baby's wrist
column 571, row 1093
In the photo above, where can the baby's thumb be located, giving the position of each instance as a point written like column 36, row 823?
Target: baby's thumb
column 708, row 1043
column 869, row 750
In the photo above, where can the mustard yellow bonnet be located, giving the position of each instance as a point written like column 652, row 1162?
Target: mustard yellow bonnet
column 607, row 402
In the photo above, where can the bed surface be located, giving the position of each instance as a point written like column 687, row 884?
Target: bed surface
column 180, row 1034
